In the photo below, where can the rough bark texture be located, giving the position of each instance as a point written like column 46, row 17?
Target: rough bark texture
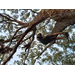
column 64, row 18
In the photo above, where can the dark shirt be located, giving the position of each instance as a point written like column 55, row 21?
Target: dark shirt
column 46, row 39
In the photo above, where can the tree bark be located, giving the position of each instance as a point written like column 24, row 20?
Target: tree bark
column 64, row 18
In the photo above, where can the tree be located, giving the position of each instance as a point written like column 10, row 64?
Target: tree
column 22, row 27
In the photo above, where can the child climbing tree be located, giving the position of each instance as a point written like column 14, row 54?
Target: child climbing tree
column 21, row 26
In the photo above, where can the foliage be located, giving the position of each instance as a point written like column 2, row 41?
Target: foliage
column 60, row 53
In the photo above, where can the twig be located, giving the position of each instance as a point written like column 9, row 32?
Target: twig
column 21, row 23
column 43, row 51
column 33, row 11
column 26, row 56
column 31, row 26
column 18, row 43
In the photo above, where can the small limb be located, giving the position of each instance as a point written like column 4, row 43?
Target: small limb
column 25, row 50
column 25, row 57
column 43, row 51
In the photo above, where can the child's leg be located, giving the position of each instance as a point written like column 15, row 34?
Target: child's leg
column 55, row 33
column 65, row 33
column 60, row 37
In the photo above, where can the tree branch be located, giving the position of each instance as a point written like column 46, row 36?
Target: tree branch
column 43, row 51
column 8, row 17
column 44, row 14
column 64, row 25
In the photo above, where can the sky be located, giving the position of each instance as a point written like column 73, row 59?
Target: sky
column 15, row 57
column 18, row 51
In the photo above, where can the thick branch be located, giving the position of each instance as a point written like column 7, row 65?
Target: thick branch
column 31, row 25
column 44, row 14
column 60, row 15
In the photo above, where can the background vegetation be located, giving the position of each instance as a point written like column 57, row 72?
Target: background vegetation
column 62, row 52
